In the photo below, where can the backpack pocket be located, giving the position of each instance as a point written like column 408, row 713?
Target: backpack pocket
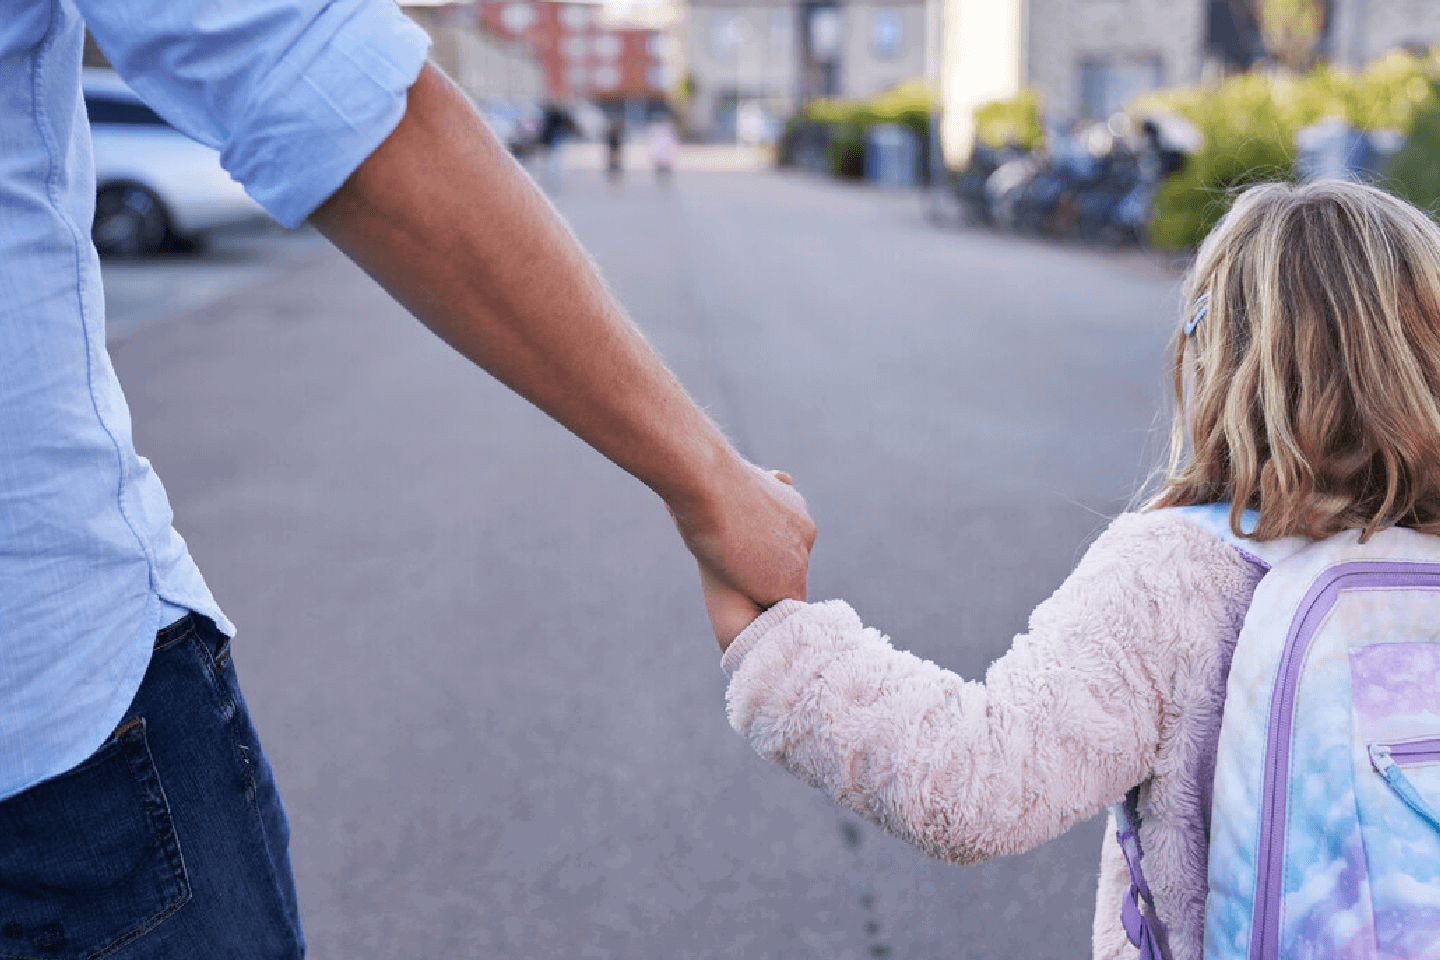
column 1390, row 761
column 1397, row 719
column 1397, row 789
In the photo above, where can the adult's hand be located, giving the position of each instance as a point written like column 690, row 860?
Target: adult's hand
column 753, row 534
column 731, row 610
column 442, row 217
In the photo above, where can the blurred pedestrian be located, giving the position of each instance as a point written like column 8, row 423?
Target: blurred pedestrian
column 138, row 815
column 663, row 144
column 615, row 147
column 751, row 123
column 556, row 126
column 1297, row 300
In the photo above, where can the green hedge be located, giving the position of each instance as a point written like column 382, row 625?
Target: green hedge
column 1014, row 122
column 1415, row 171
column 848, row 121
column 1249, row 124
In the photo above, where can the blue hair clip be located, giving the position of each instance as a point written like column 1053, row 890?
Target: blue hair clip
column 1201, row 308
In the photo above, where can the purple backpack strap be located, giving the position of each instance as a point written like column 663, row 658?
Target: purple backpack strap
column 1137, row 912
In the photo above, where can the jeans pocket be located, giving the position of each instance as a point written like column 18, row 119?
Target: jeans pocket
column 89, row 860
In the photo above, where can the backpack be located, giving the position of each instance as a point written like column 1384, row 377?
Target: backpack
column 1325, row 818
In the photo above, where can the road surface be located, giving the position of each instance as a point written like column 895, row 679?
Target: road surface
column 476, row 650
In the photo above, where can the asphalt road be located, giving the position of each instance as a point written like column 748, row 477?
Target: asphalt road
column 476, row 651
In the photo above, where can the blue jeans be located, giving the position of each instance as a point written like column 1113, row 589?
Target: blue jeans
column 169, row 843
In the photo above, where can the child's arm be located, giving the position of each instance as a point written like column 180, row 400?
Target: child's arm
column 1067, row 721
column 730, row 611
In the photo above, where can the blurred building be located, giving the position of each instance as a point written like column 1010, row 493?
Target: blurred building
column 1366, row 29
column 486, row 63
column 750, row 63
column 584, row 54
column 1089, row 58
column 1354, row 32
column 1086, row 58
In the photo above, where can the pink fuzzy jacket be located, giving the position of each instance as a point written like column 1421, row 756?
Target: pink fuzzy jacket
column 1120, row 682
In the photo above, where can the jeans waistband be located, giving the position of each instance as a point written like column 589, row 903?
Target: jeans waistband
column 202, row 628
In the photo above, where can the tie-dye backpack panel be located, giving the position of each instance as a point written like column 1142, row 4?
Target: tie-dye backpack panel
column 1324, row 840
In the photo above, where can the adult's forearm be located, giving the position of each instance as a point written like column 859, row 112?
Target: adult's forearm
column 449, row 224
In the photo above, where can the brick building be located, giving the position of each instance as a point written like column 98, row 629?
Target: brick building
column 487, row 64
column 582, row 54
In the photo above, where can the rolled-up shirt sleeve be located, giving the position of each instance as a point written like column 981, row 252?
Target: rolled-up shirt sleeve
column 295, row 94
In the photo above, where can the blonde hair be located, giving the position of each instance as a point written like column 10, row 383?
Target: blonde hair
column 1309, row 390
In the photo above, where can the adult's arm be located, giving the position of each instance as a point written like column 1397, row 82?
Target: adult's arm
column 442, row 217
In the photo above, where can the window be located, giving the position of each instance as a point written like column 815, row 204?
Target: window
column 728, row 30
column 103, row 109
column 826, row 31
column 782, row 32
column 658, row 46
column 575, row 17
column 573, row 47
column 517, row 17
column 1109, row 83
column 607, row 46
column 606, row 78
column 887, row 33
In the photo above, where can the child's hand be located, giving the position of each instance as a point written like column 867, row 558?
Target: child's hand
column 730, row 610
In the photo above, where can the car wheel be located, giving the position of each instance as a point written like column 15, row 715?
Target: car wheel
column 130, row 221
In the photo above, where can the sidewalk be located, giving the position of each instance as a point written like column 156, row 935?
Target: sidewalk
column 692, row 156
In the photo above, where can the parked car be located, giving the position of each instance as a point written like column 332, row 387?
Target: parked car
column 154, row 185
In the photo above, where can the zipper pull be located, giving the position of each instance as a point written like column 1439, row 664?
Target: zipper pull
column 1381, row 760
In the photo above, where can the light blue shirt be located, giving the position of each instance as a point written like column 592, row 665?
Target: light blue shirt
column 294, row 94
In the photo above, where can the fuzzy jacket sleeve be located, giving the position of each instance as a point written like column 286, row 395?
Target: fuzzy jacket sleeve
column 1064, row 723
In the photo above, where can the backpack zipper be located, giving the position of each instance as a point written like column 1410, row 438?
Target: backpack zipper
column 1311, row 613
column 1386, row 758
column 1411, row 751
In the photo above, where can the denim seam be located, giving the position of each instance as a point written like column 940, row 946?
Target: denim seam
column 218, row 658
column 243, row 751
column 215, row 672
column 154, row 802
column 215, row 666
column 173, row 634
column 158, row 809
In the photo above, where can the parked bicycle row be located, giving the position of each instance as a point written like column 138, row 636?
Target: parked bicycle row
column 1096, row 185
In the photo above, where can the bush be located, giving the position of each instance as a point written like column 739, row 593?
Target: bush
column 1415, row 171
column 1249, row 124
column 848, row 122
column 1010, row 123
column 908, row 105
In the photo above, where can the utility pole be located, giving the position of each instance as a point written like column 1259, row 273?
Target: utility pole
column 937, row 187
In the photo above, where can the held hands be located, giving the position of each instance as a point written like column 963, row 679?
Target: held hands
column 759, row 558
column 730, row 610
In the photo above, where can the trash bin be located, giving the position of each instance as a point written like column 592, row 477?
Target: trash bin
column 1334, row 149
column 892, row 155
